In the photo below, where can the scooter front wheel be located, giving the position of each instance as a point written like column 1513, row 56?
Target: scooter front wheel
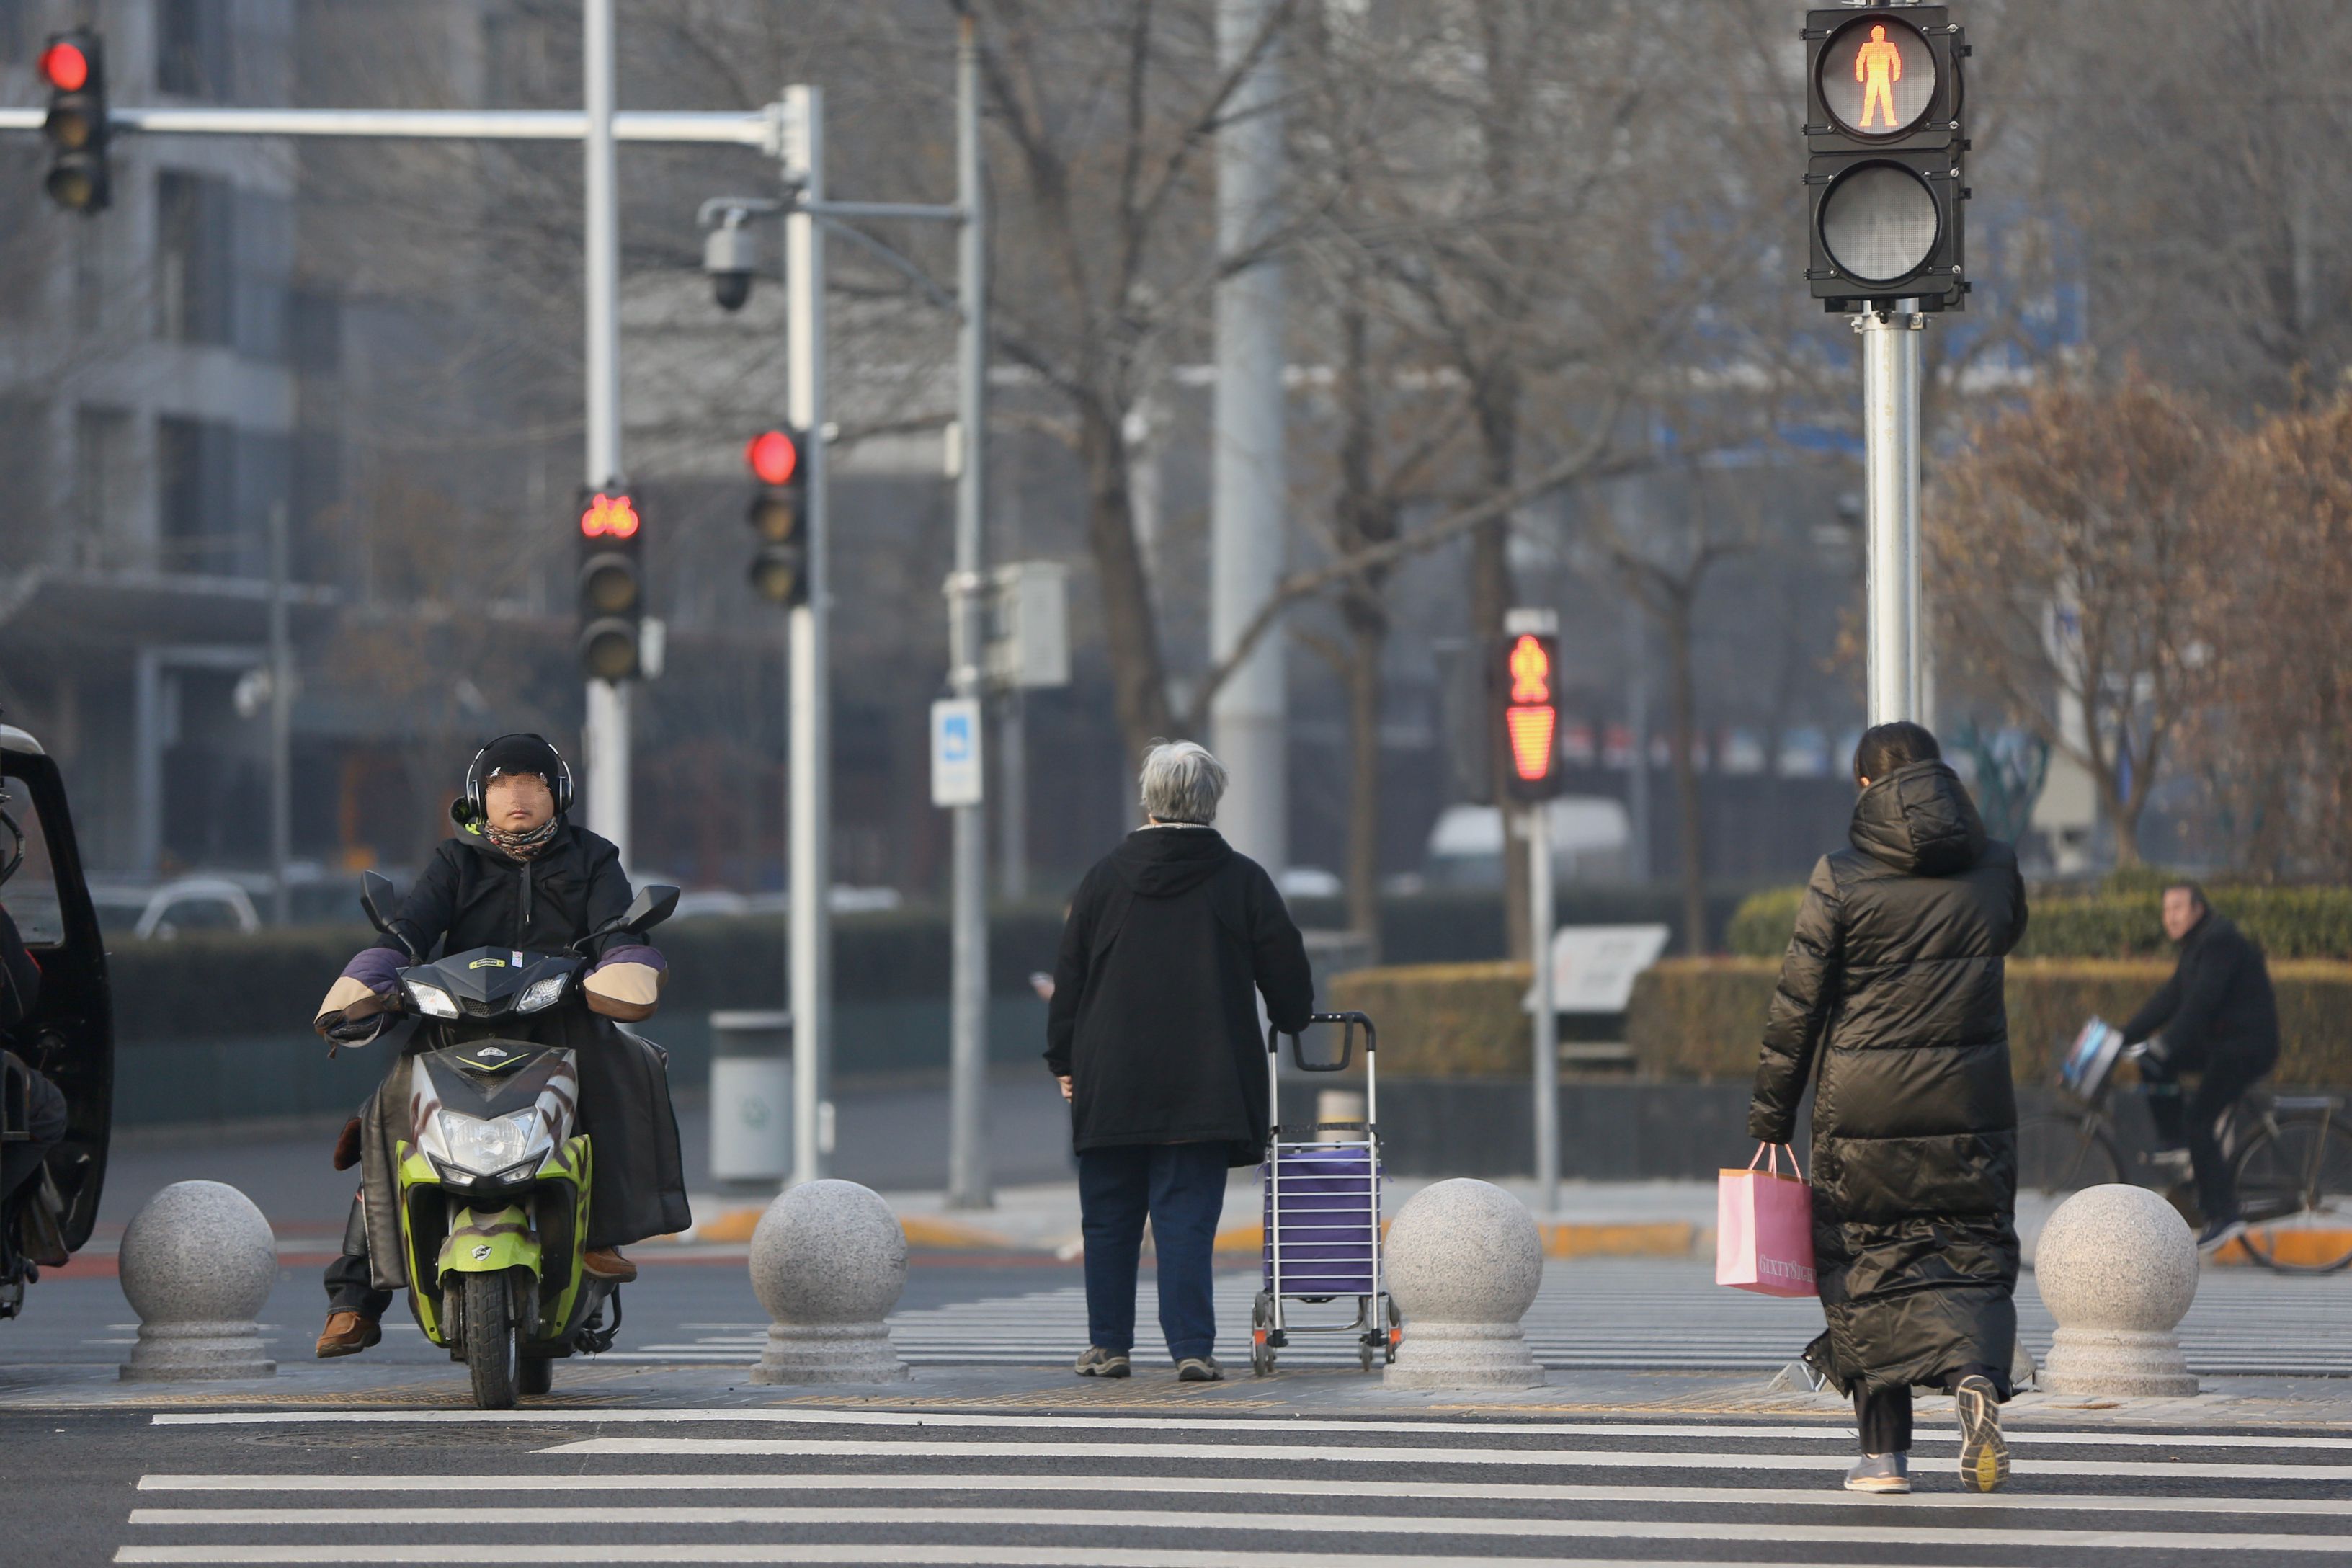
column 493, row 1353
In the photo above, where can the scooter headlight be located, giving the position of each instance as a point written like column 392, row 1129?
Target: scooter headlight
column 431, row 1000
column 482, row 1147
column 540, row 993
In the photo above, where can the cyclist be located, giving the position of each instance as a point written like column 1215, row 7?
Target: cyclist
column 2215, row 1018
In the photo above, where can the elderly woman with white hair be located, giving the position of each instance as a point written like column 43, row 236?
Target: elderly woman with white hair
column 1153, row 1032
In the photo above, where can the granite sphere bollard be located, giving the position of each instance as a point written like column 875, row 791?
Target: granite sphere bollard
column 2117, row 1267
column 1463, row 1261
column 828, row 1261
column 196, row 1265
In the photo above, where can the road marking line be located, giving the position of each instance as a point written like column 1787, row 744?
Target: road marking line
column 1779, row 1533
column 1212, row 1485
column 1840, row 1432
column 661, row 1482
column 1561, row 1458
column 956, row 1556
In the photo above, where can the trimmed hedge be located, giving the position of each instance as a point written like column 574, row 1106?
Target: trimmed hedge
column 1443, row 1020
column 2120, row 921
column 1701, row 1018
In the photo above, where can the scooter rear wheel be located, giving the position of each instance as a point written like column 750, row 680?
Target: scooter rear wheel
column 537, row 1375
column 493, row 1353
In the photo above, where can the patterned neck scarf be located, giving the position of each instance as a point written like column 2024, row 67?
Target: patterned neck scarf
column 524, row 846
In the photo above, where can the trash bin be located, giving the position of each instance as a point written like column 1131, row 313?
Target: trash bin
column 750, row 1096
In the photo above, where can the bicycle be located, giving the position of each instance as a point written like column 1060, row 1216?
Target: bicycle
column 2291, row 1155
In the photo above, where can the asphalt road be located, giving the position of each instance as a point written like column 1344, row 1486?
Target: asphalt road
column 1139, row 1489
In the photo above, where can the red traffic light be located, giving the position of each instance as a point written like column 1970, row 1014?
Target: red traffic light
column 609, row 517
column 774, row 456
column 65, row 67
column 1531, row 714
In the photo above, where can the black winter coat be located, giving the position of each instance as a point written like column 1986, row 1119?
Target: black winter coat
column 2217, row 1005
column 472, row 895
column 1893, row 985
column 1153, row 1016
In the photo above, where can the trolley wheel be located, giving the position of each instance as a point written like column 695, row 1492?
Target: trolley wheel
column 1261, row 1327
column 1396, row 1328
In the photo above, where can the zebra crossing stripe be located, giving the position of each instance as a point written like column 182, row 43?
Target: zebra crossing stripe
column 1097, row 1484
column 1776, row 1532
column 925, row 1556
column 1296, row 1453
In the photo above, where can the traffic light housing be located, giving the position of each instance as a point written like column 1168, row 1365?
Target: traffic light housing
column 611, row 584
column 1885, row 124
column 73, row 68
column 1529, row 670
column 778, row 515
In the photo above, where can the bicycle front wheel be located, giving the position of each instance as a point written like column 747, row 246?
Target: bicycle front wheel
column 2295, row 1191
column 2058, row 1154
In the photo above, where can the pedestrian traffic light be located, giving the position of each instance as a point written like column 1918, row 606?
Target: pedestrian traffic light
column 73, row 66
column 611, row 584
column 1886, row 125
column 1529, row 672
column 778, row 515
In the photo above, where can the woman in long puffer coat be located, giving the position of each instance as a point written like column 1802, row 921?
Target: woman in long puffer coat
column 1892, row 986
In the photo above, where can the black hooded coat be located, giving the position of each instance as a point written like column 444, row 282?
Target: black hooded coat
column 472, row 894
column 1153, row 1017
column 1891, row 989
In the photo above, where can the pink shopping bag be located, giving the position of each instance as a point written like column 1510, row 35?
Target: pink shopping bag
column 1764, row 1229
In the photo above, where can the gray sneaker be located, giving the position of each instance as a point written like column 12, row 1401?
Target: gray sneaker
column 1199, row 1369
column 1984, row 1452
column 1099, row 1363
column 1880, row 1473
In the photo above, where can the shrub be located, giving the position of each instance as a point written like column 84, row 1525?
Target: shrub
column 1702, row 1018
column 2118, row 919
column 1443, row 1020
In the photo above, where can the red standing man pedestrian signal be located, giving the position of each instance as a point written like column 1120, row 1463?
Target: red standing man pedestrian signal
column 1878, row 66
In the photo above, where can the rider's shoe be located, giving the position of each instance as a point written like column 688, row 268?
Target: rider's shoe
column 606, row 1263
column 2174, row 1163
column 2219, row 1235
column 347, row 1333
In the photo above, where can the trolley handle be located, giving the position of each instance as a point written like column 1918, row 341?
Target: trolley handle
column 1346, row 1040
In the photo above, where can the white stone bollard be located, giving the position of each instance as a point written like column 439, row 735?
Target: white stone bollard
column 197, row 1263
column 1464, row 1261
column 828, row 1261
column 2117, row 1269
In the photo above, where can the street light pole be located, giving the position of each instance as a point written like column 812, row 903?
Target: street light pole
column 607, row 740
column 1890, row 420
column 968, row 1184
column 808, row 717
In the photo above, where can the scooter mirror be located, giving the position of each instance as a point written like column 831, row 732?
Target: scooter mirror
column 375, row 898
column 652, row 906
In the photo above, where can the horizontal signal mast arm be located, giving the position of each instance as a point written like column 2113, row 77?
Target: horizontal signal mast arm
column 760, row 127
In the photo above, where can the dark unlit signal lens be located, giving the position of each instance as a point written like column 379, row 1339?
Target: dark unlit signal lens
column 1879, row 223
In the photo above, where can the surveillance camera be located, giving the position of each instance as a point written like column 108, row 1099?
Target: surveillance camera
column 731, row 254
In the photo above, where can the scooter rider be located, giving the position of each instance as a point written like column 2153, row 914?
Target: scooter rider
column 517, row 874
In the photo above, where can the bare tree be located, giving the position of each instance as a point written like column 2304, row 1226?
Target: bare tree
column 2074, row 554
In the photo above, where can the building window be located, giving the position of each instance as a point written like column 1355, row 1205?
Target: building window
column 106, row 487
column 192, row 48
column 195, row 460
column 194, row 240
column 24, row 456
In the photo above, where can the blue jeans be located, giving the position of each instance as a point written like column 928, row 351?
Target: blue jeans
column 1183, row 1187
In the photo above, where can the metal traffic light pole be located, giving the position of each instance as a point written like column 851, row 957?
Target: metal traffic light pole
column 1890, row 425
column 604, row 737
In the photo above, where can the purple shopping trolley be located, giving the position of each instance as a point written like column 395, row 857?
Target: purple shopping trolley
column 1322, row 1212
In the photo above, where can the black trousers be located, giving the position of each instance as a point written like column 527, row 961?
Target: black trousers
column 2222, row 1079
column 349, row 1285
column 1884, row 1413
column 44, row 1120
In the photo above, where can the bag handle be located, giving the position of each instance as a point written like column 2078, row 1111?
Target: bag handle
column 1773, row 1164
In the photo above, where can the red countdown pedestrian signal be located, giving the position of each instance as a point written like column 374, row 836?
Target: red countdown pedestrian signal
column 1530, row 662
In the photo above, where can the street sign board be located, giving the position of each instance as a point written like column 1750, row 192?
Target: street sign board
column 956, row 777
column 1594, row 967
